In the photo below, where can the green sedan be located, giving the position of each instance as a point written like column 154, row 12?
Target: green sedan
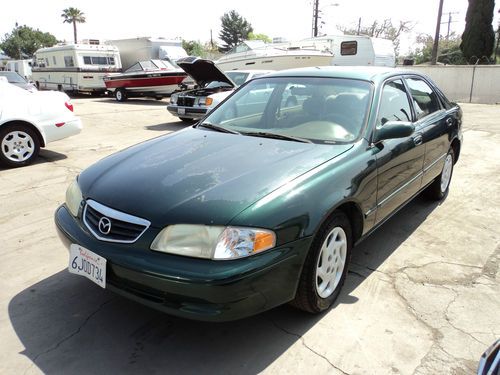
column 262, row 201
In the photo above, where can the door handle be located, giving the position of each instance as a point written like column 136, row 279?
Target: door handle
column 417, row 139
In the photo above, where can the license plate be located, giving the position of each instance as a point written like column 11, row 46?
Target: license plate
column 181, row 111
column 86, row 263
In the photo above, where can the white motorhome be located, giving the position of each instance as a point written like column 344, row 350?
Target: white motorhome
column 359, row 50
column 75, row 67
column 21, row 67
column 145, row 48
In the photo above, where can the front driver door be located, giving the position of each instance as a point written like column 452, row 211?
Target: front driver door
column 399, row 161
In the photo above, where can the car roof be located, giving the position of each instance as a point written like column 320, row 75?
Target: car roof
column 366, row 73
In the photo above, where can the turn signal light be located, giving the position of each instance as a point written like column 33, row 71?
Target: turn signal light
column 263, row 241
column 208, row 101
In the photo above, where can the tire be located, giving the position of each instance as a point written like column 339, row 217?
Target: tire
column 439, row 188
column 159, row 97
column 186, row 119
column 316, row 293
column 19, row 145
column 120, row 95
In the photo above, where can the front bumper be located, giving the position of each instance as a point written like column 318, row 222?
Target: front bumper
column 192, row 288
column 194, row 113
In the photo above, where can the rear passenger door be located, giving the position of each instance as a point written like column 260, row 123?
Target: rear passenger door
column 433, row 122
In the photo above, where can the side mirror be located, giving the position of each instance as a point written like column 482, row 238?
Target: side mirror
column 393, row 130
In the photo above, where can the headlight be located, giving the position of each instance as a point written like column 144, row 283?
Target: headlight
column 213, row 242
column 202, row 100
column 173, row 98
column 73, row 198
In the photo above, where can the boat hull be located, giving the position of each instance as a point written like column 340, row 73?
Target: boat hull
column 275, row 62
column 150, row 83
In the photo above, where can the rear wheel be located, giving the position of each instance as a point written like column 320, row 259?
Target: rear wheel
column 441, row 185
column 120, row 95
column 19, row 145
column 325, row 267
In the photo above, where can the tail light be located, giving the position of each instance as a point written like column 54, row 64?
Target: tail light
column 69, row 105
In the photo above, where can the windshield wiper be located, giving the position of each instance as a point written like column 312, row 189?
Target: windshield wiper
column 278, row 136
column 217, row 128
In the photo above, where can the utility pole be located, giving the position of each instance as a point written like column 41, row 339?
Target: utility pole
column 315, row 18
column 449, row 22
column 436, row 36
column 359, row 26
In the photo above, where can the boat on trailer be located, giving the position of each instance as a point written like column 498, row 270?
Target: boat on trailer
column 150, row 78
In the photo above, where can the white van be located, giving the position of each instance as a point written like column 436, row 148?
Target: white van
column 75, row 67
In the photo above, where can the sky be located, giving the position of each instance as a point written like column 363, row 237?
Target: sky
column 194, row 19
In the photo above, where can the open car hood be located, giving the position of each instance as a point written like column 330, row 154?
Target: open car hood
column 203, row 71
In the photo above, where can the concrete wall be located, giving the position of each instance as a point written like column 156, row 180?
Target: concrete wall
column 466, row 83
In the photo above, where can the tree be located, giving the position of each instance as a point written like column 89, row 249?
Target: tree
column 235, row 29
column 264, row 37
column 449, row 50
column 74, row 16
column 193, row 48
column 384, row 29
column 478, row 38
column 23, row 41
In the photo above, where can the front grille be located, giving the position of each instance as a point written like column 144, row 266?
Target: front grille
column 185, row 101
column 122, row 228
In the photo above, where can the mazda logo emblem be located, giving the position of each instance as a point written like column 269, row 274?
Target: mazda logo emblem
column 104, row 225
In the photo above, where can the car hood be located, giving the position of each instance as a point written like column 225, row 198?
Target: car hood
column 199, row 176
column 203, row 71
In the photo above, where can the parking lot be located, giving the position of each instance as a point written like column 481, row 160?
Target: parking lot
column 422, row 295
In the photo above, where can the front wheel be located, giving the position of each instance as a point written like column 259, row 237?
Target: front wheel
column 120, row 95
column 325, row 267
column 441, row 185
column 19, row 145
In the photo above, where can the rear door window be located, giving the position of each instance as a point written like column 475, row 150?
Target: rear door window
column 425, row 100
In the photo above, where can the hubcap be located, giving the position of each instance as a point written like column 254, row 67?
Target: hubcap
column 18, row 146
column 446, row 174
column 331, row 262
column 119, row 95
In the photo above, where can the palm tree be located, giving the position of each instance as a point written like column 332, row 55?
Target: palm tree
column 73, row 15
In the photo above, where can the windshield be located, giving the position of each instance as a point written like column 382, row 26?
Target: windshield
column 13, row 77
column 322, row 110
column 238, row 78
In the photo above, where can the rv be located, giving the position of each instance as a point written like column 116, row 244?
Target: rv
column 146, row 48
column 75, row 67
column 21, row 67
column 359, row 50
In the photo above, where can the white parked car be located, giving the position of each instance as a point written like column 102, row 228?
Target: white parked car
column 30, row 120
column 213, row 87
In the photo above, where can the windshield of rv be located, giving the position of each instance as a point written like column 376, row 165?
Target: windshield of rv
column 13, row 77
column 322, row 110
